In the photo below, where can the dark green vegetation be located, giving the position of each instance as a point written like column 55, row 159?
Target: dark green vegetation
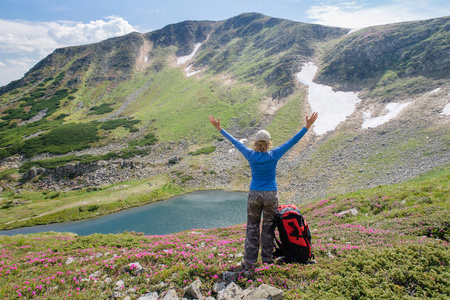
column 101, row 109
column 113, row 124
column 131, row 151
column 62, row 139
column 389, row 250
column 34, row 103
column 65, row 138
column 206, row 150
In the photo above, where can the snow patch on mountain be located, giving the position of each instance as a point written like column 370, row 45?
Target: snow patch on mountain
column 188, row 73
column 184, row 59
column 446, row 110
column 393, row 108
column 333, row 107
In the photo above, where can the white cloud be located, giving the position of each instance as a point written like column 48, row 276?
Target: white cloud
column 23, row 61
column 156, row 11
column 29, row 42
column 12, row 71
column 353, row 15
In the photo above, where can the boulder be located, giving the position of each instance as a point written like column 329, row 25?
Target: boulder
column 194, row 289
column 120, row 285
column 229, row 276
column 219, row 286
column 149, row 296
column 70, row 260
column 264, row 291
column 352, row 211
column 116, row 295
column 133, row 269
column 232, row 292
column 171, row 295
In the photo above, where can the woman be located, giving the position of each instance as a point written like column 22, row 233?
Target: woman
column 263, row 195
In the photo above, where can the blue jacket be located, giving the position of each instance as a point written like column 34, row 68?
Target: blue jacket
column 264, row 164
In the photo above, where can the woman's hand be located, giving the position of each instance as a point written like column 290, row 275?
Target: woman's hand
column 215, row 123
column 311, row 120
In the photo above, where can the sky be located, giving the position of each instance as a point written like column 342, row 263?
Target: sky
column 32, row 29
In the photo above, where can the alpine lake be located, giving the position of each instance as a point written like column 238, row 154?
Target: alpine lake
column 197, row 210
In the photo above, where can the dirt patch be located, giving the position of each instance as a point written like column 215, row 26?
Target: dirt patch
column 143, row 60
column 227, row 80
column 269, row 106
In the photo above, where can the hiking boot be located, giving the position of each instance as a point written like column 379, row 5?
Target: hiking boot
column 245, row 266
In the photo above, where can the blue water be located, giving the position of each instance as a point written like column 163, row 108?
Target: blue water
column 198, row 210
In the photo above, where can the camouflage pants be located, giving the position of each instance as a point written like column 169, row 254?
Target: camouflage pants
column 265, row 202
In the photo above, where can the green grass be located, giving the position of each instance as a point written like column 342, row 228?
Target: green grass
column 178, row 107
column 288, row 120
column 391, row 87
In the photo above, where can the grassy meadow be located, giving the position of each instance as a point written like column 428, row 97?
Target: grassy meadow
column 395, row 247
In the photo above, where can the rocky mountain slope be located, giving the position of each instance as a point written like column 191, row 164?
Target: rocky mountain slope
column 136, row 106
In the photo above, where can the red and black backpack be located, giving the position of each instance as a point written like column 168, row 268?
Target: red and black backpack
column 295, row 237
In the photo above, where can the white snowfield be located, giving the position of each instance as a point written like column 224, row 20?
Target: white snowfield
column 333, row 107
column 393, row 108
column 184, row 59
column 435, row 91
column 189, row 74
column 446, row 110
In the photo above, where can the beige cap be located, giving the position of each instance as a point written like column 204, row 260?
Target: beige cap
column 263, row 135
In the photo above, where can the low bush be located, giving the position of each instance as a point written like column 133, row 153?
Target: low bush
column 206, row 150
column 37, row 105
column 113, row 124
column 101, row 109
column 59, row 78
column 149, row 139
column 6, row 174
column 37, row 94
column 62, row 139
column 184, row 179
